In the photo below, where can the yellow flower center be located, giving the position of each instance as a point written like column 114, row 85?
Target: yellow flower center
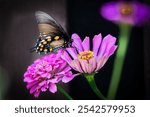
column 126, row 9
column 86, row 55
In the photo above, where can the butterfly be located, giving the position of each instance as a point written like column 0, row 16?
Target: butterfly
column 52, row 36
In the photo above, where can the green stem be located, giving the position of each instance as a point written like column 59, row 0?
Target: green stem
column 64, row 92
column 91, row 81
column 119, row 60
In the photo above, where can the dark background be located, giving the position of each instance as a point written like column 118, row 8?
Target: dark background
column 18, row 32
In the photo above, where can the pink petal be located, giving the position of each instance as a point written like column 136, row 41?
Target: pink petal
column 86, row 43
column 66, row 57
column 42, row 83
column 44, row 88
column 68, row 77
column 112, row 41
column 75, row 64
column 96, row 44
column 93, row 62
column 33, row 89
column 84, row 65
column 49, row 68
column 37, row 93
column 28, row 79
column 46, row 75
column 110, row 11
column 67, row 69
column 54, row 80
column 31, row 84
column 72, row 52
column 62, row 66
column 107, row 42
column 112, row 50
column 89, row 68
column 101, row 62
column 64, row 71
column 60, row 51
column 52, row 88
column 77, row 42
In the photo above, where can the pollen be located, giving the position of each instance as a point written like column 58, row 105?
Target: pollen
column 126, row 9
column 56, row 37
column 86, row 55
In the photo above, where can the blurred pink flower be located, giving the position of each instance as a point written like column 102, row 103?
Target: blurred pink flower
column 133, row 12
column 84, row 60
column 44, row 73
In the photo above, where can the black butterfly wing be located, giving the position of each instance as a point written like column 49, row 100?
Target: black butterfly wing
column 52, row 35
column 47, row 24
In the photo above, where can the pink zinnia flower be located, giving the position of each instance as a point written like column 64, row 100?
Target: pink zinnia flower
column 133, row 12
column 89, row 61
column 44, row 73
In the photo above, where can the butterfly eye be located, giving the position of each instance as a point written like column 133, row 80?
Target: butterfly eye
column 56, row 38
